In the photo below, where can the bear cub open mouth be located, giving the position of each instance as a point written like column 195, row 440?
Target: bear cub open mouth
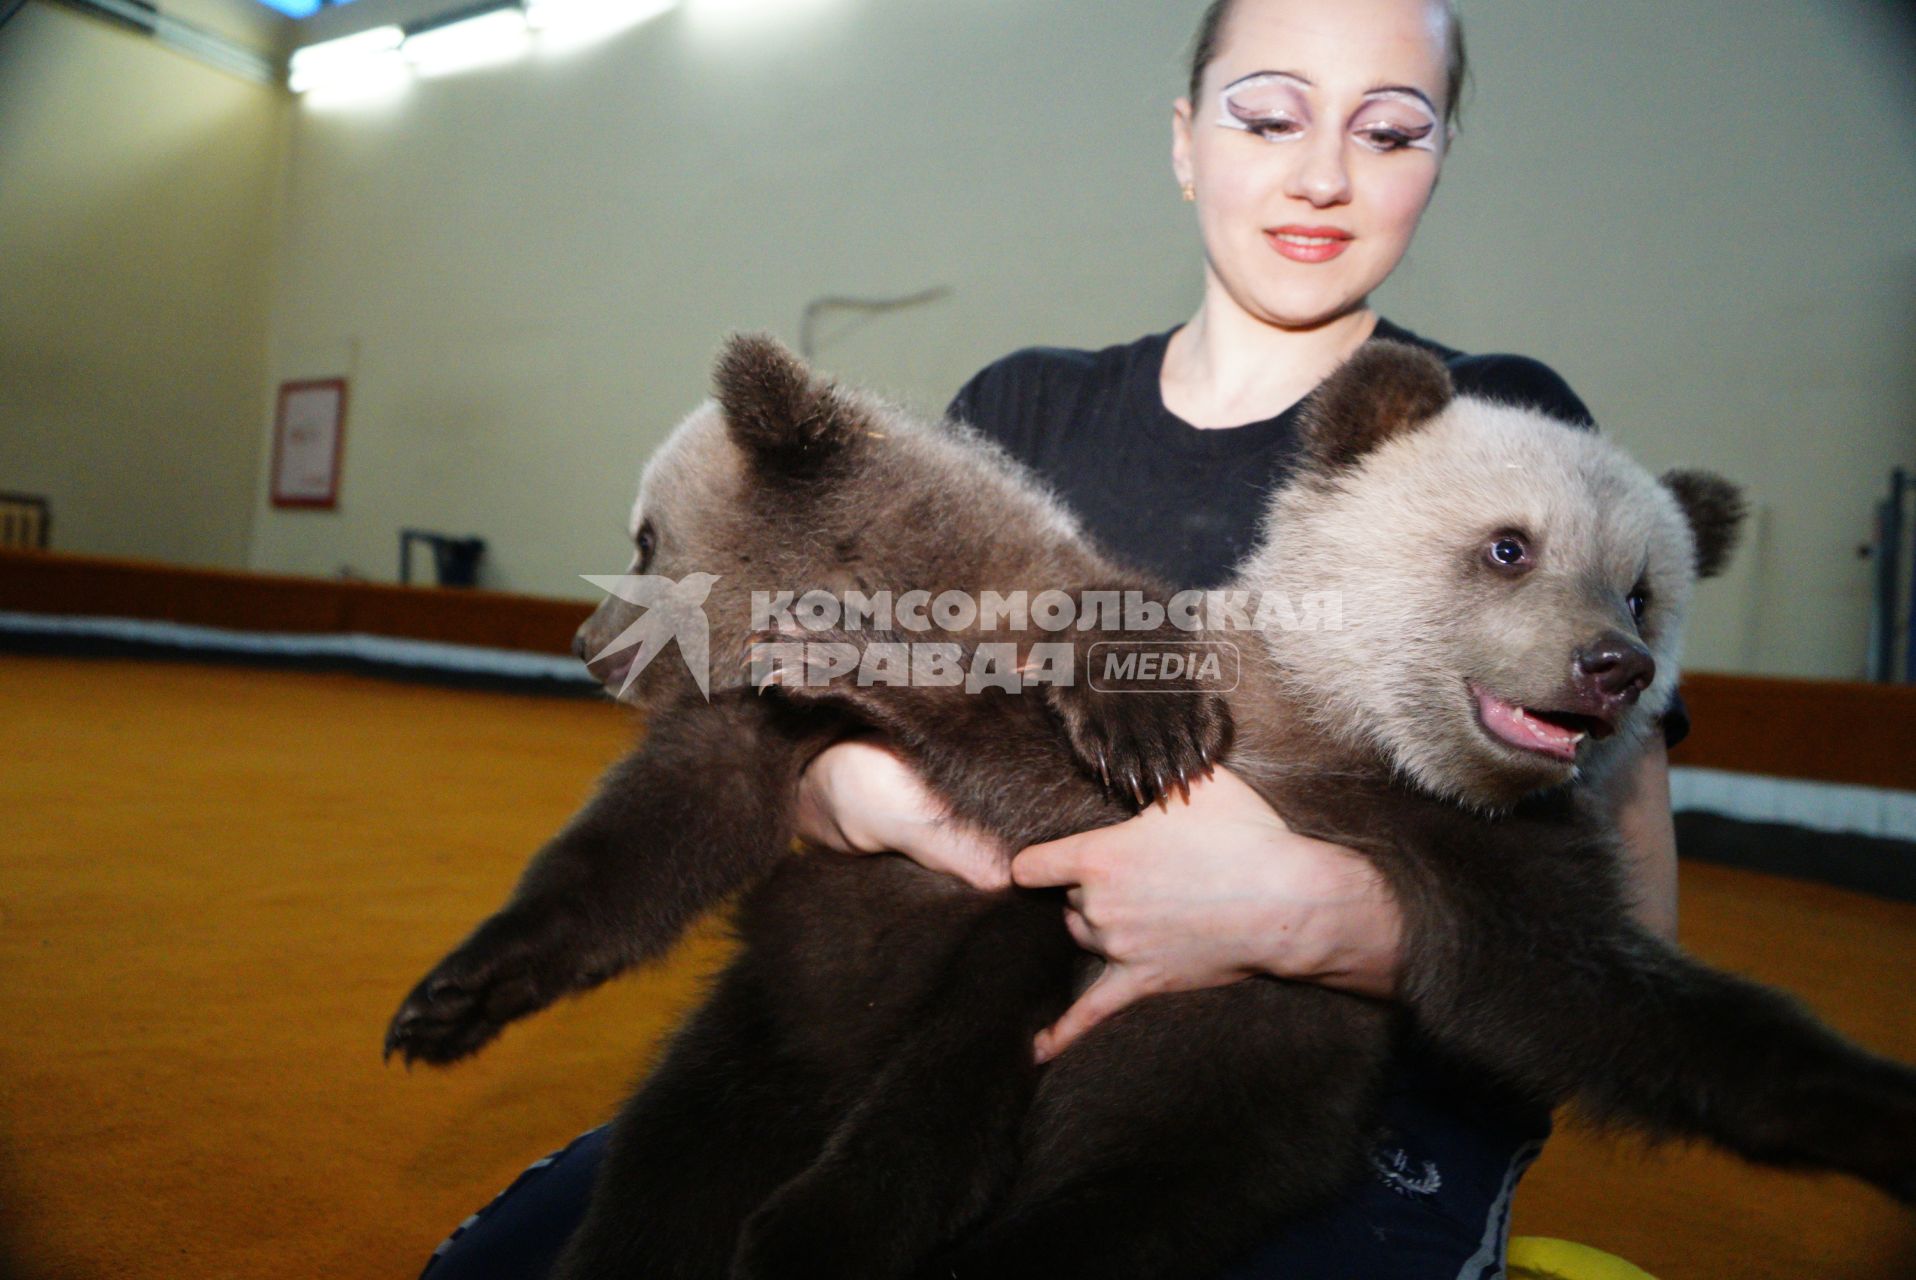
column 1554, row 733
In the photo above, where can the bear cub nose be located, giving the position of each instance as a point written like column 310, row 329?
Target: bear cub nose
column 1614, row 669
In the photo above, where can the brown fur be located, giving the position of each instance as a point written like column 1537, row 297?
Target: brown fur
column 790, row 421
column 1380, row 396
column 1715, row 510
column 858, row 1097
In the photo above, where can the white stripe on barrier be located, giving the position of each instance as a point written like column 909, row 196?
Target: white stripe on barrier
column 431, row 655
column 1820, row 806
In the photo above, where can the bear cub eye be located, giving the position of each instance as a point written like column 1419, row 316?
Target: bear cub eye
column 648, row 542
column 1509, row 551
column 1639, row 602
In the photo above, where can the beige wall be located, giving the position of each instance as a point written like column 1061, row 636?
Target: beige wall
column 1703, row 224
column 136, row 225
column 525, row 270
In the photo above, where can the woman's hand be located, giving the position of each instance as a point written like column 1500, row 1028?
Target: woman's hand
column 1205, row 893
column 858, row 796
column 1193, row 895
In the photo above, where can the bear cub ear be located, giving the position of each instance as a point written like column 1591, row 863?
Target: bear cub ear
column 777, row 410
column 1715, row 509
column 1385, row 389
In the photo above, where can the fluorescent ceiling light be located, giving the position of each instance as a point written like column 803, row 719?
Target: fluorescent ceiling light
column 745, row 8
column 379, row 78
column 575, row 22
column 348, row 58
column 480, row 40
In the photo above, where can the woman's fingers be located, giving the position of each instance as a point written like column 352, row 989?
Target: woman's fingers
column 1080, row 930
column 945, row 844
column 1056, row 862
column 1115, row 988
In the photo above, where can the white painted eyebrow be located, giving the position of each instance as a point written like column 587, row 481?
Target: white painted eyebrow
column 1402, row 93
column 1390, row 91
column 1266, row 75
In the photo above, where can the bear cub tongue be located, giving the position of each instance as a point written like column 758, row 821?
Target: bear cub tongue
column 1512, row 724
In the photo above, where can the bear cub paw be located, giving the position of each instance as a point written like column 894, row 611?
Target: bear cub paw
column 1143, row 744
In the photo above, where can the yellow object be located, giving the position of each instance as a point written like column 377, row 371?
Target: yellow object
column 1539, row 1258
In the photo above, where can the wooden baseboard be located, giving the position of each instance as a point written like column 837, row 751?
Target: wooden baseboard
column 93, row 586
column 1821, row 730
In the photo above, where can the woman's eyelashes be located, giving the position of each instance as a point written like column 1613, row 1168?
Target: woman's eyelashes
column 1269, row 104
column 1270, row 128
column 1381, row 136
column 1395, row 120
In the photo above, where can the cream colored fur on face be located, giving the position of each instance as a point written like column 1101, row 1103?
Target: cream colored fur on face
column 1402, row 538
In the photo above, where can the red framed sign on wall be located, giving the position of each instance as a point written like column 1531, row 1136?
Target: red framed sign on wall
column 309, row 435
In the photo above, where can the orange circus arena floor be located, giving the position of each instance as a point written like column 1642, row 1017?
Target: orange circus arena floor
column 216, row 883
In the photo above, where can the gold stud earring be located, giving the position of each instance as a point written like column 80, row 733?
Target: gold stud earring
column 1190, row 192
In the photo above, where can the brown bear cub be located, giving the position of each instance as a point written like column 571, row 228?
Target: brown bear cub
column 858, row 1097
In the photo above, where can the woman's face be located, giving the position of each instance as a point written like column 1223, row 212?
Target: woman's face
column 1313, row 149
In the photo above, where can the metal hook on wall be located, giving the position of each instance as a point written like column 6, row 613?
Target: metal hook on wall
column 869, row 306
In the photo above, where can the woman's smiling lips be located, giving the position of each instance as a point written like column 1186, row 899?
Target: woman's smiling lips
column 1309, row 244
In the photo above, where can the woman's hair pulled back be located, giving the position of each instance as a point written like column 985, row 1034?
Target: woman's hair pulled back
column 1456, row 60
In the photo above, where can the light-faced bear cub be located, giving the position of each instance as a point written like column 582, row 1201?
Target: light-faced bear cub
column 858, row 1098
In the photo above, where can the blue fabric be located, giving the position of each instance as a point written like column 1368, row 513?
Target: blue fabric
column 518, row 1236
column 1435, row 1205
column 1436, row 1202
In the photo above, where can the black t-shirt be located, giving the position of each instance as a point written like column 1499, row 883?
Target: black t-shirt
column 1186, row 502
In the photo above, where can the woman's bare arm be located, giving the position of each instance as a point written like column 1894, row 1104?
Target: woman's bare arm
column 1649, row 838
column 860, row 797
